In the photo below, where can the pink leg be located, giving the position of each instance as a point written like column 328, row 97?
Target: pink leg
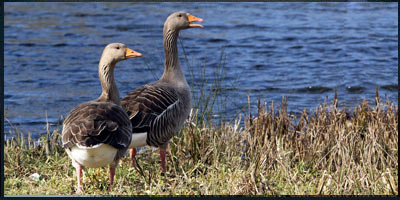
column 132, row 153
column 112, row 173
column 162, row 157
column 79, row 176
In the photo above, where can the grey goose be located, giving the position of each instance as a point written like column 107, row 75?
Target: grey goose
column 159, row 109
column 98, row 133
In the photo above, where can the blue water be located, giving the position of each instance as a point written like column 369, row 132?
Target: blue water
column 269, row 50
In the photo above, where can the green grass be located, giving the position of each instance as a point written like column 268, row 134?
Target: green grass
column 328, row 151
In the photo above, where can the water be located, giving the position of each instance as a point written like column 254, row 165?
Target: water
column 299, row 50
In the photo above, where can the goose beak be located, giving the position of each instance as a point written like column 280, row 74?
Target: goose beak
column 191, row 19
column 132, row 54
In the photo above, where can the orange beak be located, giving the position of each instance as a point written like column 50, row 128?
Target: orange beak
column 132, row 54
column 191, row 19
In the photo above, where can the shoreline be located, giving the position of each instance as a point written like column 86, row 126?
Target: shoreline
column 327, row 152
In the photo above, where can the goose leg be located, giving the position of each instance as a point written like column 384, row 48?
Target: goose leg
column 162, row 157
column 112, row 173
column 78, row 170
column 132, row 153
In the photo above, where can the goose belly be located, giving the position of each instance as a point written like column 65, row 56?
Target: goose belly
column 99, row 156
column 138, row 140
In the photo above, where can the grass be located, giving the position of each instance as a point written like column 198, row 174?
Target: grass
column 327, row 151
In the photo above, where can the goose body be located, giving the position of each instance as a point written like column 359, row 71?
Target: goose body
column 94, row 132
column 98, row 133
column 159, row 109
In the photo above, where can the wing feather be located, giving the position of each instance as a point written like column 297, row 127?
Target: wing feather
column 152, row 109
column 93, row 123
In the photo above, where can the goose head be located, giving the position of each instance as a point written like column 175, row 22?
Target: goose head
column 182, row 20
column 116, row 52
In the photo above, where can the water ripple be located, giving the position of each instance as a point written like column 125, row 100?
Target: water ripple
column 270, row 50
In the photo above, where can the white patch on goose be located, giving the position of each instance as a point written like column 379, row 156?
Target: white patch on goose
column 91, row 147
column 99, row 156
column 138, row 140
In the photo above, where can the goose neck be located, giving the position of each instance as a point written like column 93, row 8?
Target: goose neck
column 171, row 48
column 172, row 68
column 109, row 88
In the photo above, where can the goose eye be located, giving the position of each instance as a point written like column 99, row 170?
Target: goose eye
column 180, row 15
column 117, row 47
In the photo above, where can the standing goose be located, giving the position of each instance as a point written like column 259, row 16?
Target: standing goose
column 98, row 132
column 158, row 110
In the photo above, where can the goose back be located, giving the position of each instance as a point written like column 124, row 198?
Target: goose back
column 93, row 123
column 159, row 109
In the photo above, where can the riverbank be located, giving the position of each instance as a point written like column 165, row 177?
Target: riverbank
column 327, row 151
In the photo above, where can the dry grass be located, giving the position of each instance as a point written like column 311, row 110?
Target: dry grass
column 328, row 151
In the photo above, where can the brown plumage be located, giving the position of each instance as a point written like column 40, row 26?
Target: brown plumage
column 93, row 123
column 98, row 132
column 158, row 110
column 145, row 106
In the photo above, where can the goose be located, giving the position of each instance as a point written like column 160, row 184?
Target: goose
column 98, row 133
column 159, row 109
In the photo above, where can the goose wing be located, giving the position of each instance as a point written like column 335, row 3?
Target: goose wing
column 93, row 123
column 153, row 109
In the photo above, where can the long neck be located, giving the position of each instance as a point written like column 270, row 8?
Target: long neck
column 172, row 68
column 109, row 89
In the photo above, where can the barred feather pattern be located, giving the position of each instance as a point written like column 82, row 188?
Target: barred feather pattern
column 157, row 109
column 93, row 122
